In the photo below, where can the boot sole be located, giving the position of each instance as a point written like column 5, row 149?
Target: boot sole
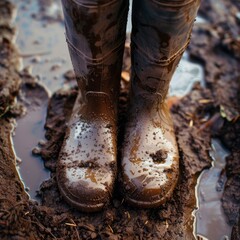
column 80, row 206
column 155, row 204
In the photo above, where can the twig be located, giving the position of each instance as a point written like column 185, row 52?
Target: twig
column 75, row 229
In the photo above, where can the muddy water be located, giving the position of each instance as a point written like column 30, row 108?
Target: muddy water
column 30, row 129
column 210, row 220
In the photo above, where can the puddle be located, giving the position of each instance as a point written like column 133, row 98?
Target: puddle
column 28, row 133
column 186, row 74
column 30, row 129
column 210, row 222
column 42, row 45
column 41, row 40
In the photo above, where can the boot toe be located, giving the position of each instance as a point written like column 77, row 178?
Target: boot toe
column 150, row 168
column 86, row 167
column 149, row 189
column 86, row 189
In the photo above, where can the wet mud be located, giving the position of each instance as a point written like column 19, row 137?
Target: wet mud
column 199, row 116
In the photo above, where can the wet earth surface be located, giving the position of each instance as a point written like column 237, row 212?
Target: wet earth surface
column 37, row 93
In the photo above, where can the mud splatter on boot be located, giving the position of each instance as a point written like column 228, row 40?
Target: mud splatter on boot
column 150, row 161
column 95, row 32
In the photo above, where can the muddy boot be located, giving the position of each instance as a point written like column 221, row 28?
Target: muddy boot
column 150, row 160
column 95, row 32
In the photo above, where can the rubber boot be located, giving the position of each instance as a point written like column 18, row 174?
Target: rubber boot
column 95, row 33
column 150, row 159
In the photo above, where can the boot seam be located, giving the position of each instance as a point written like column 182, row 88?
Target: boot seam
column 100, row 94
column 173, row 5
column 92, row 5
column 94, row 61
column 163, row 62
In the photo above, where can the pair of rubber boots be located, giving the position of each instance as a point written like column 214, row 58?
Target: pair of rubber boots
column 87, row 165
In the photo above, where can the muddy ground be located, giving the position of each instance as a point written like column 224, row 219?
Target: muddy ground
column 213, row 111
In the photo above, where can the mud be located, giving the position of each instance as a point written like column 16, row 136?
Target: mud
column 199, row 116
column 58, row 112
column 159, row 156
column 11, row 189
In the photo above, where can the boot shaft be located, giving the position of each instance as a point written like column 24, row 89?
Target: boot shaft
column 161, row 32
column 95, row 33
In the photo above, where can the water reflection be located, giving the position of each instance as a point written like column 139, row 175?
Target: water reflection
column 210, row 218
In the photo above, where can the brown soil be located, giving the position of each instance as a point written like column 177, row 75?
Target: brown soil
column 202, row 114
column 9, row 59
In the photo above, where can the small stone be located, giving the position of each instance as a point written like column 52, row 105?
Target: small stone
column 36, row 151
column 93, row 235
column 28, row 69
column 36, row 59
column 42, row 143
column 55, row 67
column 69, row 75
column 18, row 161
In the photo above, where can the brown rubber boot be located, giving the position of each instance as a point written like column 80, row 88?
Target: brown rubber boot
column 95, row 32
column 150, row 160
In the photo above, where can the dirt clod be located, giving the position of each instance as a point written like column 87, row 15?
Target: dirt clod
column 159, row 157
